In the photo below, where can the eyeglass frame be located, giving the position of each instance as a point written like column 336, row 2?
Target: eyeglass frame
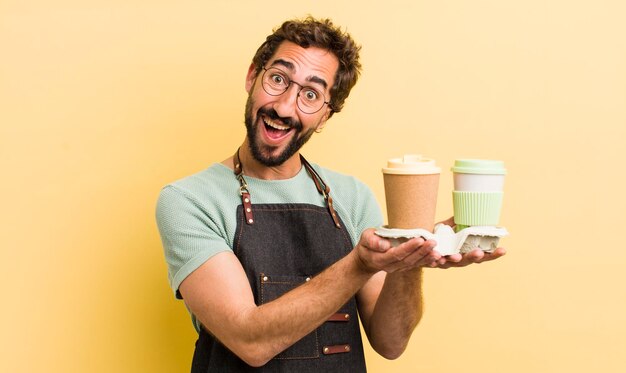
column 265, row 70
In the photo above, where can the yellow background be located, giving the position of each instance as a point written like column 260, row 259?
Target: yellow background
column 104, row 102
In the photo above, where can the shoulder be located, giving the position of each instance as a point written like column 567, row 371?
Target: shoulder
column 200, row 185
column 341, row 182
column 354, row 201
column 204, row 193
column 347, row 190
column 215, row 175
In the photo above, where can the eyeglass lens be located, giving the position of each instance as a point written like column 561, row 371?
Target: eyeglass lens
column 276, row 82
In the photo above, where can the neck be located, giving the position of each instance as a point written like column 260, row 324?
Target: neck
column 253, row 168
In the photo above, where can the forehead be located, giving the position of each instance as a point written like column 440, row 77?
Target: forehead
column 306, row 63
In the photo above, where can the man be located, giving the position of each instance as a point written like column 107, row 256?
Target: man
column 272, row 256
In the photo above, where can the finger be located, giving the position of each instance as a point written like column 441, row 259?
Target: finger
column 382, row 244
column 431, row 243
column 410, row 254
column 407, row 248
column 373, row 242
column 423, row 257
column 454, row 258
column 474, row 256
column 497, row 253
column 448, row 261
column 459, row 260
column 440, row 263
column 445, row 264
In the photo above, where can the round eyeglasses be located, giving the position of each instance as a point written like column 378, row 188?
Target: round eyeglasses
column 310, row 100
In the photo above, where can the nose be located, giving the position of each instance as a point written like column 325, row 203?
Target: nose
column 285, row 104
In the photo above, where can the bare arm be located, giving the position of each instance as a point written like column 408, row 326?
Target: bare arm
column 258, row 333
column 390, row 304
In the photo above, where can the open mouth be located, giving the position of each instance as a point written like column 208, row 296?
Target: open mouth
column 274, row 130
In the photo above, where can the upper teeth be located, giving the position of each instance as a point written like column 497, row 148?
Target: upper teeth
column 275, row 125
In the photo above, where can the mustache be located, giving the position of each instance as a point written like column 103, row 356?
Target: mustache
column 273, row 115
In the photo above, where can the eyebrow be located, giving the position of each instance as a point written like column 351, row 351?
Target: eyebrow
column 290, row 66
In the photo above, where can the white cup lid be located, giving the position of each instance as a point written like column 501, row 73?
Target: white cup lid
column 411, row 164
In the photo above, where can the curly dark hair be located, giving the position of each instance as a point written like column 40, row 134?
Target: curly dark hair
column 311, row 32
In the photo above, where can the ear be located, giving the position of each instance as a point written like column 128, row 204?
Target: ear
column 327, row 113
column 322, row 123
column 250, row 77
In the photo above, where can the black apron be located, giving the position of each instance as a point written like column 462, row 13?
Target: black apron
column 280, row 247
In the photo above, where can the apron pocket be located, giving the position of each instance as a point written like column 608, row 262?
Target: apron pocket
column 273, row 287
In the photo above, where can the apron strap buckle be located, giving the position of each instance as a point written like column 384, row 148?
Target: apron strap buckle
column 247, row 206
column 243, row 189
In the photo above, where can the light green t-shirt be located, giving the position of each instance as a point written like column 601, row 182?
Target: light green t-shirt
column 196, row 215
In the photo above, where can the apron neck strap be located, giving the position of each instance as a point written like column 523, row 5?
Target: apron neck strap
column 243, row 189
column 321, row 186
column 323, row 189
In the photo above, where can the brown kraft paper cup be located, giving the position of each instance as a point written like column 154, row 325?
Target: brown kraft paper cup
column 411, row 201
column 411, row 186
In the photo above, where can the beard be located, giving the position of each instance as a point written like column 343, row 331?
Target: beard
column 264, row 153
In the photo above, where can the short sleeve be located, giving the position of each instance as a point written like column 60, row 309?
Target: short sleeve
column 189, row 233
column 368, row 214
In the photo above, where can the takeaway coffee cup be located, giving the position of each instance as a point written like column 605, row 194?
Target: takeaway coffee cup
column 478, row 192
column 411, row 185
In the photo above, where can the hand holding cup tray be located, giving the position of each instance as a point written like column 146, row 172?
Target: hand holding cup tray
column 411, row 186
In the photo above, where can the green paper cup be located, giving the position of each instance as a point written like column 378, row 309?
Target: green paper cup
column 478, row 192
